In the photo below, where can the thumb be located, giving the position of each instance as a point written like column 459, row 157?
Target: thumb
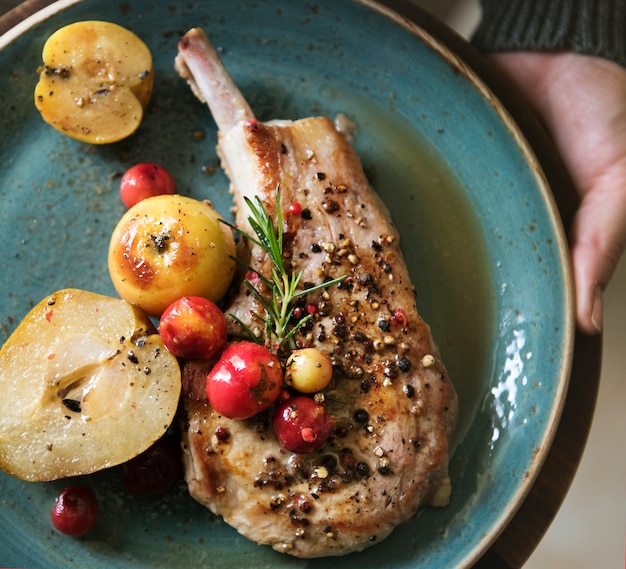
column 597, row 240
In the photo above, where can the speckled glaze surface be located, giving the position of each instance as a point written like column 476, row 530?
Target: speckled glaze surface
column 480, row 233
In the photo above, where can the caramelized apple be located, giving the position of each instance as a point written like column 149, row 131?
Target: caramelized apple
column 169, row 246
column 95, row 82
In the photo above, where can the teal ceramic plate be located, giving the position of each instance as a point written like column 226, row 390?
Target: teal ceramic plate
column 479, row 228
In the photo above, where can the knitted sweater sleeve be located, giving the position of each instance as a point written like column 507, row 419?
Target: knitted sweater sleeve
column 591, row 27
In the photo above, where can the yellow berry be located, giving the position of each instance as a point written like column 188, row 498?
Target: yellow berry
column 308, row 370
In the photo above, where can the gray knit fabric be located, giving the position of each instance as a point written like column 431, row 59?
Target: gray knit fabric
column 591, row 27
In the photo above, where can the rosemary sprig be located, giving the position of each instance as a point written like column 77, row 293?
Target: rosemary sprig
column 282, row 285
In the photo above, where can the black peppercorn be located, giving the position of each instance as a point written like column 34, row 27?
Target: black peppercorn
column 404, row 364
column 361, row 416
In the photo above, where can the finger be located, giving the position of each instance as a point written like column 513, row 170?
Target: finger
column 589, row 293
column 597, row 240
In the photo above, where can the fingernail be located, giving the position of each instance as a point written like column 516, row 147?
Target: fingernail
column 597, row 309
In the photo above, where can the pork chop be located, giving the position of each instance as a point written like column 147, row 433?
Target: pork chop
column 393, row 403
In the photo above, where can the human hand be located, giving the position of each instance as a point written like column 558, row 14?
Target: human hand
column 582, row 101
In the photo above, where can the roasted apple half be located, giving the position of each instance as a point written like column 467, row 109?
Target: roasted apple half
column 85, row 384
column 95, row 82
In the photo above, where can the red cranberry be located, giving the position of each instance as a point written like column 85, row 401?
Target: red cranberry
column 193, row 327
column 145, row 180
column 246, row 380
column 75, row 510
column 301, row 424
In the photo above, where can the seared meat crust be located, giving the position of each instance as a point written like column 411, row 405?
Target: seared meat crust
column 394, row 405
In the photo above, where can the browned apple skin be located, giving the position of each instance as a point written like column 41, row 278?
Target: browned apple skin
column 170, row 246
